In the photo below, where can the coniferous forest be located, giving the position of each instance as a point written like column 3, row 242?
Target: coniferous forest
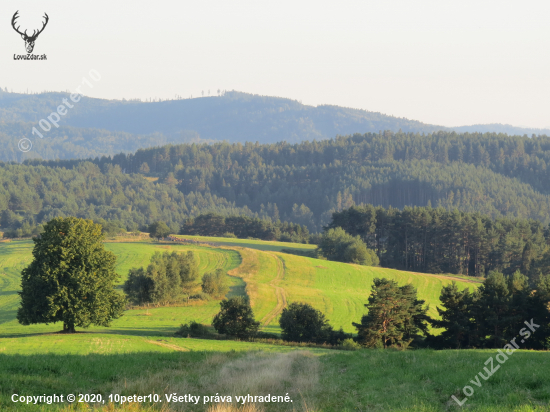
column 435, row 240
column 498, row 176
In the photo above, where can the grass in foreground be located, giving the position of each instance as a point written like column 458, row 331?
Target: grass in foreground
column 315, row 380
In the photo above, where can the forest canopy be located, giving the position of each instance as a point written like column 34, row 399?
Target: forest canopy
column 495, row 175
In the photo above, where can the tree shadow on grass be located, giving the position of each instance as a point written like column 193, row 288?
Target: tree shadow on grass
column 7, row 316
column 24, row 335
column 164, row 332
column 237, row 288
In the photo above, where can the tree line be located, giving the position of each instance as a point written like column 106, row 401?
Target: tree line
column 436, row 240
column 502, row 310
column 243, row 227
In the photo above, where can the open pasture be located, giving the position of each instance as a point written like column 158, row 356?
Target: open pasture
column 339, row 290
column 272, row 246
column 271, row 280
column 139, row 354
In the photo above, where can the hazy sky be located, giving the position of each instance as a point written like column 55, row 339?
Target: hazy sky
column 443, row 62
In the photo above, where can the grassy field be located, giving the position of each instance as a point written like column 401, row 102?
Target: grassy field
column 271, row 280
column 250, row 243
column 318, row 380
column 338, row 290
column 139, row 354
column 14, row 256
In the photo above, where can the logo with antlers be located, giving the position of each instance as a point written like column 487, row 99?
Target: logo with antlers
column 29, row 40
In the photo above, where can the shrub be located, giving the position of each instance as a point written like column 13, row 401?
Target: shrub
column 350, row 344
column 201, row 296
column 266, row 335
column 168, row 278
column 193, row 329
column 301, row 322
column 229, row 234
column 340, row 246
column 336, row 337
column 215, row 284
column 236, row 318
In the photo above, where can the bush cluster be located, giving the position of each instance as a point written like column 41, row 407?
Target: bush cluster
column 236, row 318
column 193, row 329
column 168, row 278
column 340, row 246
column 301, row 322
column 215, row 284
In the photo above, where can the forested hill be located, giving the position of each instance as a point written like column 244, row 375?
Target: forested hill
column 495, row 175
column 95, row 127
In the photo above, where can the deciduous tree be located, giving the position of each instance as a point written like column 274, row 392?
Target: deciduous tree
column 236, row 318
column 158, row 230
column 71, row 277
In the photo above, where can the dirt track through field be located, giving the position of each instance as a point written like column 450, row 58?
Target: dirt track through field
column 279, row 292
column 168, row 346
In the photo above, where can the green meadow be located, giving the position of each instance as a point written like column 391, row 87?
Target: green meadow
column 139, row 353
column 266, row 245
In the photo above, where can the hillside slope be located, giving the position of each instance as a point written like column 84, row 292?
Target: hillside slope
column 339, row 290
column 271, row 280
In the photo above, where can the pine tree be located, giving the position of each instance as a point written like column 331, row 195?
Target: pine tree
column 388, row 309
column 539, row 310
column 416, row 322
column 455, row 318
column 492, row 310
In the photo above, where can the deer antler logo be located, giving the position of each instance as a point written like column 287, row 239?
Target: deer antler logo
column 29, row 40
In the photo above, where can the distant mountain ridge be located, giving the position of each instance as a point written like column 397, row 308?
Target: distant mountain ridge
column 96, row 127
column 500, row 128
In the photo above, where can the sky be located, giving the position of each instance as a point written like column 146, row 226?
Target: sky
column 449, row 63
